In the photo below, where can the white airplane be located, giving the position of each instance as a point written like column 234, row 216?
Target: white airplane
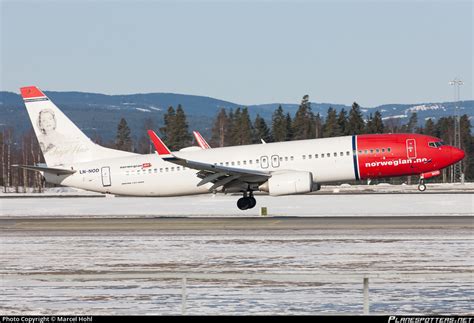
column 283, row 168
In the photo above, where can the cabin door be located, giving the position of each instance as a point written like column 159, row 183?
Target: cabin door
column 411, row 148
column 105, row 172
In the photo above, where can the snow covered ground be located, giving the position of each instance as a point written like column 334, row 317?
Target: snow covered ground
column 43, row 273
column 343, row 188
column 225, row 205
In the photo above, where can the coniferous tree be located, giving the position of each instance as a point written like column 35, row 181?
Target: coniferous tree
column 219, row 130
column 289, row 128
column 175, row 130
column 318, row 126
column 445, row 129
column 369, row 126
column 242, row 133
column 168, row 127
column 429, row 128
column 303, row 123
column 279, row 125
column 331, row 126
column 412, row 125
column 377, row 122
column 182, row 137
column 356, row 123
column 342, row 121
column 123, row 140
column 261, row 130
column 229, row 132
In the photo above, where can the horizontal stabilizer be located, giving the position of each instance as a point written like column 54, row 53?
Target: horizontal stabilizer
column 56, row 171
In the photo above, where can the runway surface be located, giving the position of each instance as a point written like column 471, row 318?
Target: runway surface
column 126, row 255
column 235, row 223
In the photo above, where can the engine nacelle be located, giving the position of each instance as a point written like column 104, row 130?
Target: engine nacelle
column 430, row 174
column 287, row 183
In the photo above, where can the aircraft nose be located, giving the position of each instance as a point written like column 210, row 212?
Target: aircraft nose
column 457, row 154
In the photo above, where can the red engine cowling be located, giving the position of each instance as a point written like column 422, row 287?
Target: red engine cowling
column 430, row 174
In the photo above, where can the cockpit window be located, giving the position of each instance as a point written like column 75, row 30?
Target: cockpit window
column 436, row 144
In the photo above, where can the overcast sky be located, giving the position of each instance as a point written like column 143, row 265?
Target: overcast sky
column 372, row 52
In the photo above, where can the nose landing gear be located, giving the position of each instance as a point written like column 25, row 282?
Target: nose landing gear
column 421, row 185
column 247, row 202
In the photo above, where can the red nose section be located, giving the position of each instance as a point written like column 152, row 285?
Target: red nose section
column 457, row 154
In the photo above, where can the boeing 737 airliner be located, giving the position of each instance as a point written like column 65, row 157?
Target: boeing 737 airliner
column 281, row 168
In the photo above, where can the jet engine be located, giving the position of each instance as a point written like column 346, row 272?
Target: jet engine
column 288, row 182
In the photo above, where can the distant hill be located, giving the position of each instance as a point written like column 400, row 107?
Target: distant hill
column 99, row 114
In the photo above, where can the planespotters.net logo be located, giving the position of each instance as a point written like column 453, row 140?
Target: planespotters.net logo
column 397, row 162
column 430, row 319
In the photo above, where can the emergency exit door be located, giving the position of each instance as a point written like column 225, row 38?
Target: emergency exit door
column 105, row 171
column 411, row 148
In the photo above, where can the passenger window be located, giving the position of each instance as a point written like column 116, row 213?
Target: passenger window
column 172, row 169
column 281, row 158
column 377, row 150
column 322, row 155
column 149, row 171
column 227, row 163
column 286, row 158
column 238, row 162
column 366, row 151
column 360, row 152
column 328, row 155
column 348, row 153
column 166, row 169
column 245, row 162
column 383, row 150
column 177, row 168
column 250, row 162
column 292, row 158
column 304, row 156
column 371, row 151
column 335, row 154
column 341, row 153
column 316, row 156
column 388, row 149
column 161, row 170
column 233, row 163
column 310, row 156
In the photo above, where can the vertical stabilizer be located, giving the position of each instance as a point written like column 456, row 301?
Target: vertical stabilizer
column 61, row 141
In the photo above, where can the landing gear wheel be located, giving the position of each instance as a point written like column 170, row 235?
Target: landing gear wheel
column 422, row 186
column 243, row 203
column 252, row 201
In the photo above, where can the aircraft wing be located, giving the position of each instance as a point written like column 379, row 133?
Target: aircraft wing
column 211, row 173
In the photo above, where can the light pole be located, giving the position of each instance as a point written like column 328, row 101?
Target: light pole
column 457, row 168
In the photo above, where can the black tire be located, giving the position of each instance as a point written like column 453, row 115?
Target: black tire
column 252, row 202
column 422, row 187
column 243, row 203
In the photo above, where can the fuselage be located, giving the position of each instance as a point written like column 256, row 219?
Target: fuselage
column 329, row 160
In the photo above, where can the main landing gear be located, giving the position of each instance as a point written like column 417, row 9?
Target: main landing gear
column 247, row 202
column 422, row 186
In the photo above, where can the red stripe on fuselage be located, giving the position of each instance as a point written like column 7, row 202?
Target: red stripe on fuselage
column 390, row 155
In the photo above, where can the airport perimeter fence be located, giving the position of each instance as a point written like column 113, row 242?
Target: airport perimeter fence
column 321, row 278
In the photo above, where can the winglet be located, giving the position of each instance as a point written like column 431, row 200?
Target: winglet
column 160, row 147
column 200, row 140
column 30, row 92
